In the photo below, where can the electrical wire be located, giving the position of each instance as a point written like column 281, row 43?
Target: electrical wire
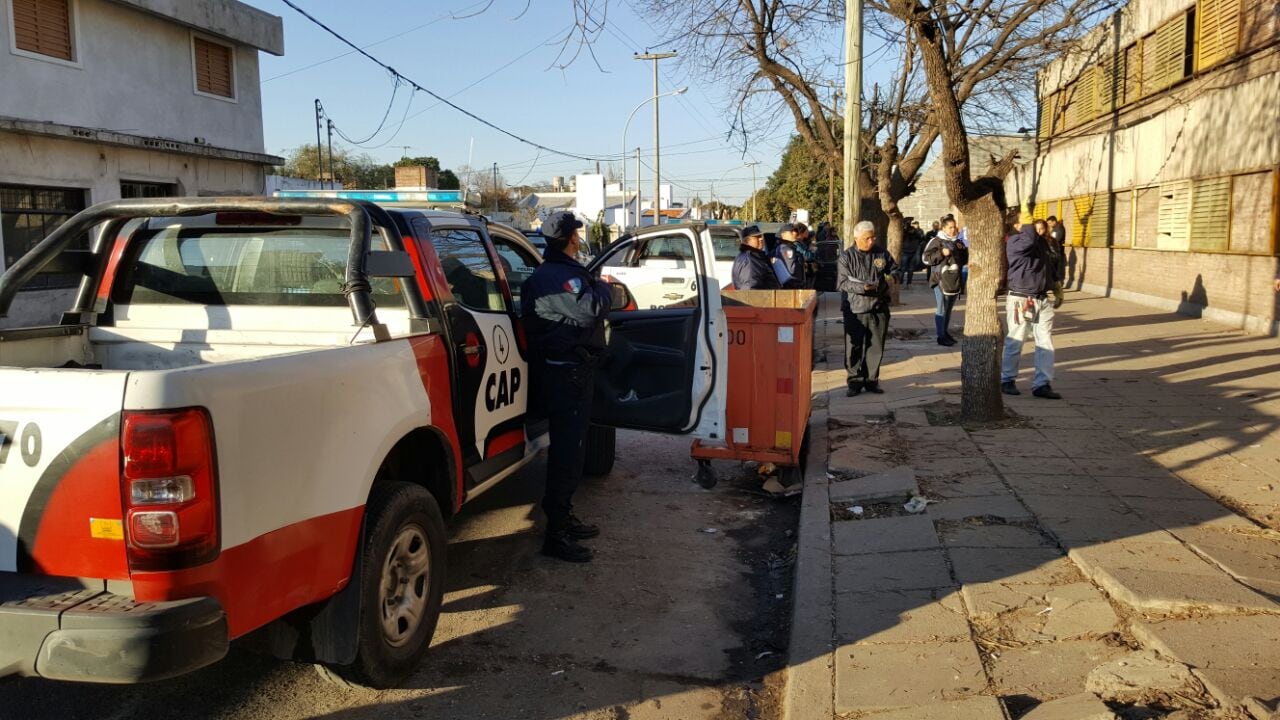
column 442, row 99
column 395, row 89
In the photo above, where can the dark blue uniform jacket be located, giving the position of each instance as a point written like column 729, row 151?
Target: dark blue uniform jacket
column 1032, row 265
column 752, row 271
column 563, row 310
column 793, row 260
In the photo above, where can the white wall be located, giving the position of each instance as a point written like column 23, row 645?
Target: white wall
column 133, row 75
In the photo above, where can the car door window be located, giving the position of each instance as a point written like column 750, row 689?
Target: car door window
column 468, row 269
column 660, row 271
column 517, row 266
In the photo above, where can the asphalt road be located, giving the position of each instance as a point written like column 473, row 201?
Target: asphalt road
column 670, row 621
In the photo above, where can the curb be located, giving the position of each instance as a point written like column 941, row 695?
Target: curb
column 810, row 688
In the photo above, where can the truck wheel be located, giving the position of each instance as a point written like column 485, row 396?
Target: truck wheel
column 401, row 586
column 602, row 447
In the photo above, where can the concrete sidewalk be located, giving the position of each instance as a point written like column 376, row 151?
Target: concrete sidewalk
column 1119, row 545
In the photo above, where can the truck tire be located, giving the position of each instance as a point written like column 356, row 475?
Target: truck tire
column 602, row 447
column 401, row 586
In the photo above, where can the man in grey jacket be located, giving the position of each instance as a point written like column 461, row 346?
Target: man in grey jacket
column 862, row 276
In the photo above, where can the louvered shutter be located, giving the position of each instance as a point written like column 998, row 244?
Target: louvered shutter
column 1171, row 49
column 44, row 27
column 1082, row 214
column 1217, row 31
column 1097, row 230
column 1175, row 201
column 1040, row 211
column 1210, row 214
column 1046, row 115
column 213, row 68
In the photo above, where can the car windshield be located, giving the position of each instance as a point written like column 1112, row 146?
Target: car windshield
column 726, row 245
column 243, row 266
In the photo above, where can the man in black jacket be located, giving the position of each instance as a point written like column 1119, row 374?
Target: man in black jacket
column 751, row 269
column 863, row 276
column 563, row 313
column 1029, row 310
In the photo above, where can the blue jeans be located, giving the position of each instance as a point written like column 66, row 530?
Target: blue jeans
column 1040, row 327
column 945, row 304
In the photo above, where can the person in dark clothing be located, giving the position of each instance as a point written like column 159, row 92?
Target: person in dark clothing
column 788, row 261
column 945, row 255
column 804, row 242
column 751, row 269
column 863, row 276
column 911, row 239
column 1059, row 262
column 563, row 313
column 1032, row 273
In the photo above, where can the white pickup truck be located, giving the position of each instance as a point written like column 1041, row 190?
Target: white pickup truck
column 259, row 415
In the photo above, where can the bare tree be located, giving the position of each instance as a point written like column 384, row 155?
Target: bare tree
column 961, row 44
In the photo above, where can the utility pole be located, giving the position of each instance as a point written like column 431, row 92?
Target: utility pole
column 755, row 215
column 319, row 148
column 831, row 193
column 639, row 209
column 657, row 153
column 331, row 174
column 852, row 116
column 495, row 187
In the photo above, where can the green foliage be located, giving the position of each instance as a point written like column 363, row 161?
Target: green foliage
column 801, row 181
column 358, row 170
column 428, row 160
column 449, row 181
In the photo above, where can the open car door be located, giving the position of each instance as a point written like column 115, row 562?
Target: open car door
column 665, row 370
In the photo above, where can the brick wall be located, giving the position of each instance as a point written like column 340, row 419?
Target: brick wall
column 1236, row 290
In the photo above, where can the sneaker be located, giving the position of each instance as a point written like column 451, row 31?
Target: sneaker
column 1009, row 388
column 875, row 388
column 1046, row 391
column 853, row 390
column 579, row 530
column 946, row 341
column 562, row 546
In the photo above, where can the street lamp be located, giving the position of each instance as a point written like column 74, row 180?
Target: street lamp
column 754, row 215
column 657, row 145
column 626, row 214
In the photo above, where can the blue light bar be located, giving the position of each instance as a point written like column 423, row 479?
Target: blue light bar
column 451, row 197
column 725, row 222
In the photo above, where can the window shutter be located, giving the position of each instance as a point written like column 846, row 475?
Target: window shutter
column 1175, row 202
column 1097, row 230
column 1046, row 115
column 44, row 27
column 1132, row 74
column 1164, row 55
column 213, row 68
column 1083, row 98
column 1210, row 214
column 1217, row 31
column 1082, row 208
column 1041, row 211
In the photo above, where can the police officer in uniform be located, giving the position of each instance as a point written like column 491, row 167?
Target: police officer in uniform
column 751, row 269
column 863, row 272
column 564, row 309
column 789, row 260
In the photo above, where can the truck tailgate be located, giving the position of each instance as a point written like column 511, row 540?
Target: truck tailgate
column 60, row 509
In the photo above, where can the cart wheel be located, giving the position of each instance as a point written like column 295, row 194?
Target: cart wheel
column 706, row 476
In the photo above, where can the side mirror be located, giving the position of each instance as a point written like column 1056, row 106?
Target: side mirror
column 620, row 297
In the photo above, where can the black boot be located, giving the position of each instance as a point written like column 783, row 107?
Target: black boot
column 940, row 325
column 560, row 544
column 579, row 530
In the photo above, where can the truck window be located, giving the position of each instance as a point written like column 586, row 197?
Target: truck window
column 243, row 266
column 727, row 246
column 517, row 266
column 468, row 269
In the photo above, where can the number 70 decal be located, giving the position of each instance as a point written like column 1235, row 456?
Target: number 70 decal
column 30, row 442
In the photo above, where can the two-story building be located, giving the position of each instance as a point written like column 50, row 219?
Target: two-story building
column 104, row 99
column 1159, row 147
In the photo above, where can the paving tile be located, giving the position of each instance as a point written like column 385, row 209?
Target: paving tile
column 1034, row 465
column 1002, row 506
column 871, row 677
column 1010, row 565
column 1159, row 577
column 907, row 616
column 1082, row 706
column 1090, row 530
column 1253, row 558
column 1171, row 513
column 919, row 570
column 881, row 535
column 1055, row 485
column 1139, row 486
column 1092, row 444
column 952, row 466
column 1121, row 465
column 1039, row 612
column 1049, row 671
column 1222, row 642
column 897, row 482
column 976, row 535
column 963, row 486
column 1256, row 688
column 980, row 707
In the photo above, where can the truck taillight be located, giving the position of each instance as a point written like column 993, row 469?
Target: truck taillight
column 169, row 485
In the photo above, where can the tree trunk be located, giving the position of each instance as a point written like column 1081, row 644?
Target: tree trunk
column 983, row 341
column 893, row 242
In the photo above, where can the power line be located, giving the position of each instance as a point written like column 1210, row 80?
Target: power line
column 437, row 96
column 389, row 38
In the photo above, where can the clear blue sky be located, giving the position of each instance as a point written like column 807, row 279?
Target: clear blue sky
column 579, row 109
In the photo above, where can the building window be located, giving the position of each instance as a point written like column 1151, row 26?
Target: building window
column 1210, row 214
column 1217, row 31
column 1167, row 56
column 214, row 65
column 43, row 27
column 28, row 215
column 130, row 190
